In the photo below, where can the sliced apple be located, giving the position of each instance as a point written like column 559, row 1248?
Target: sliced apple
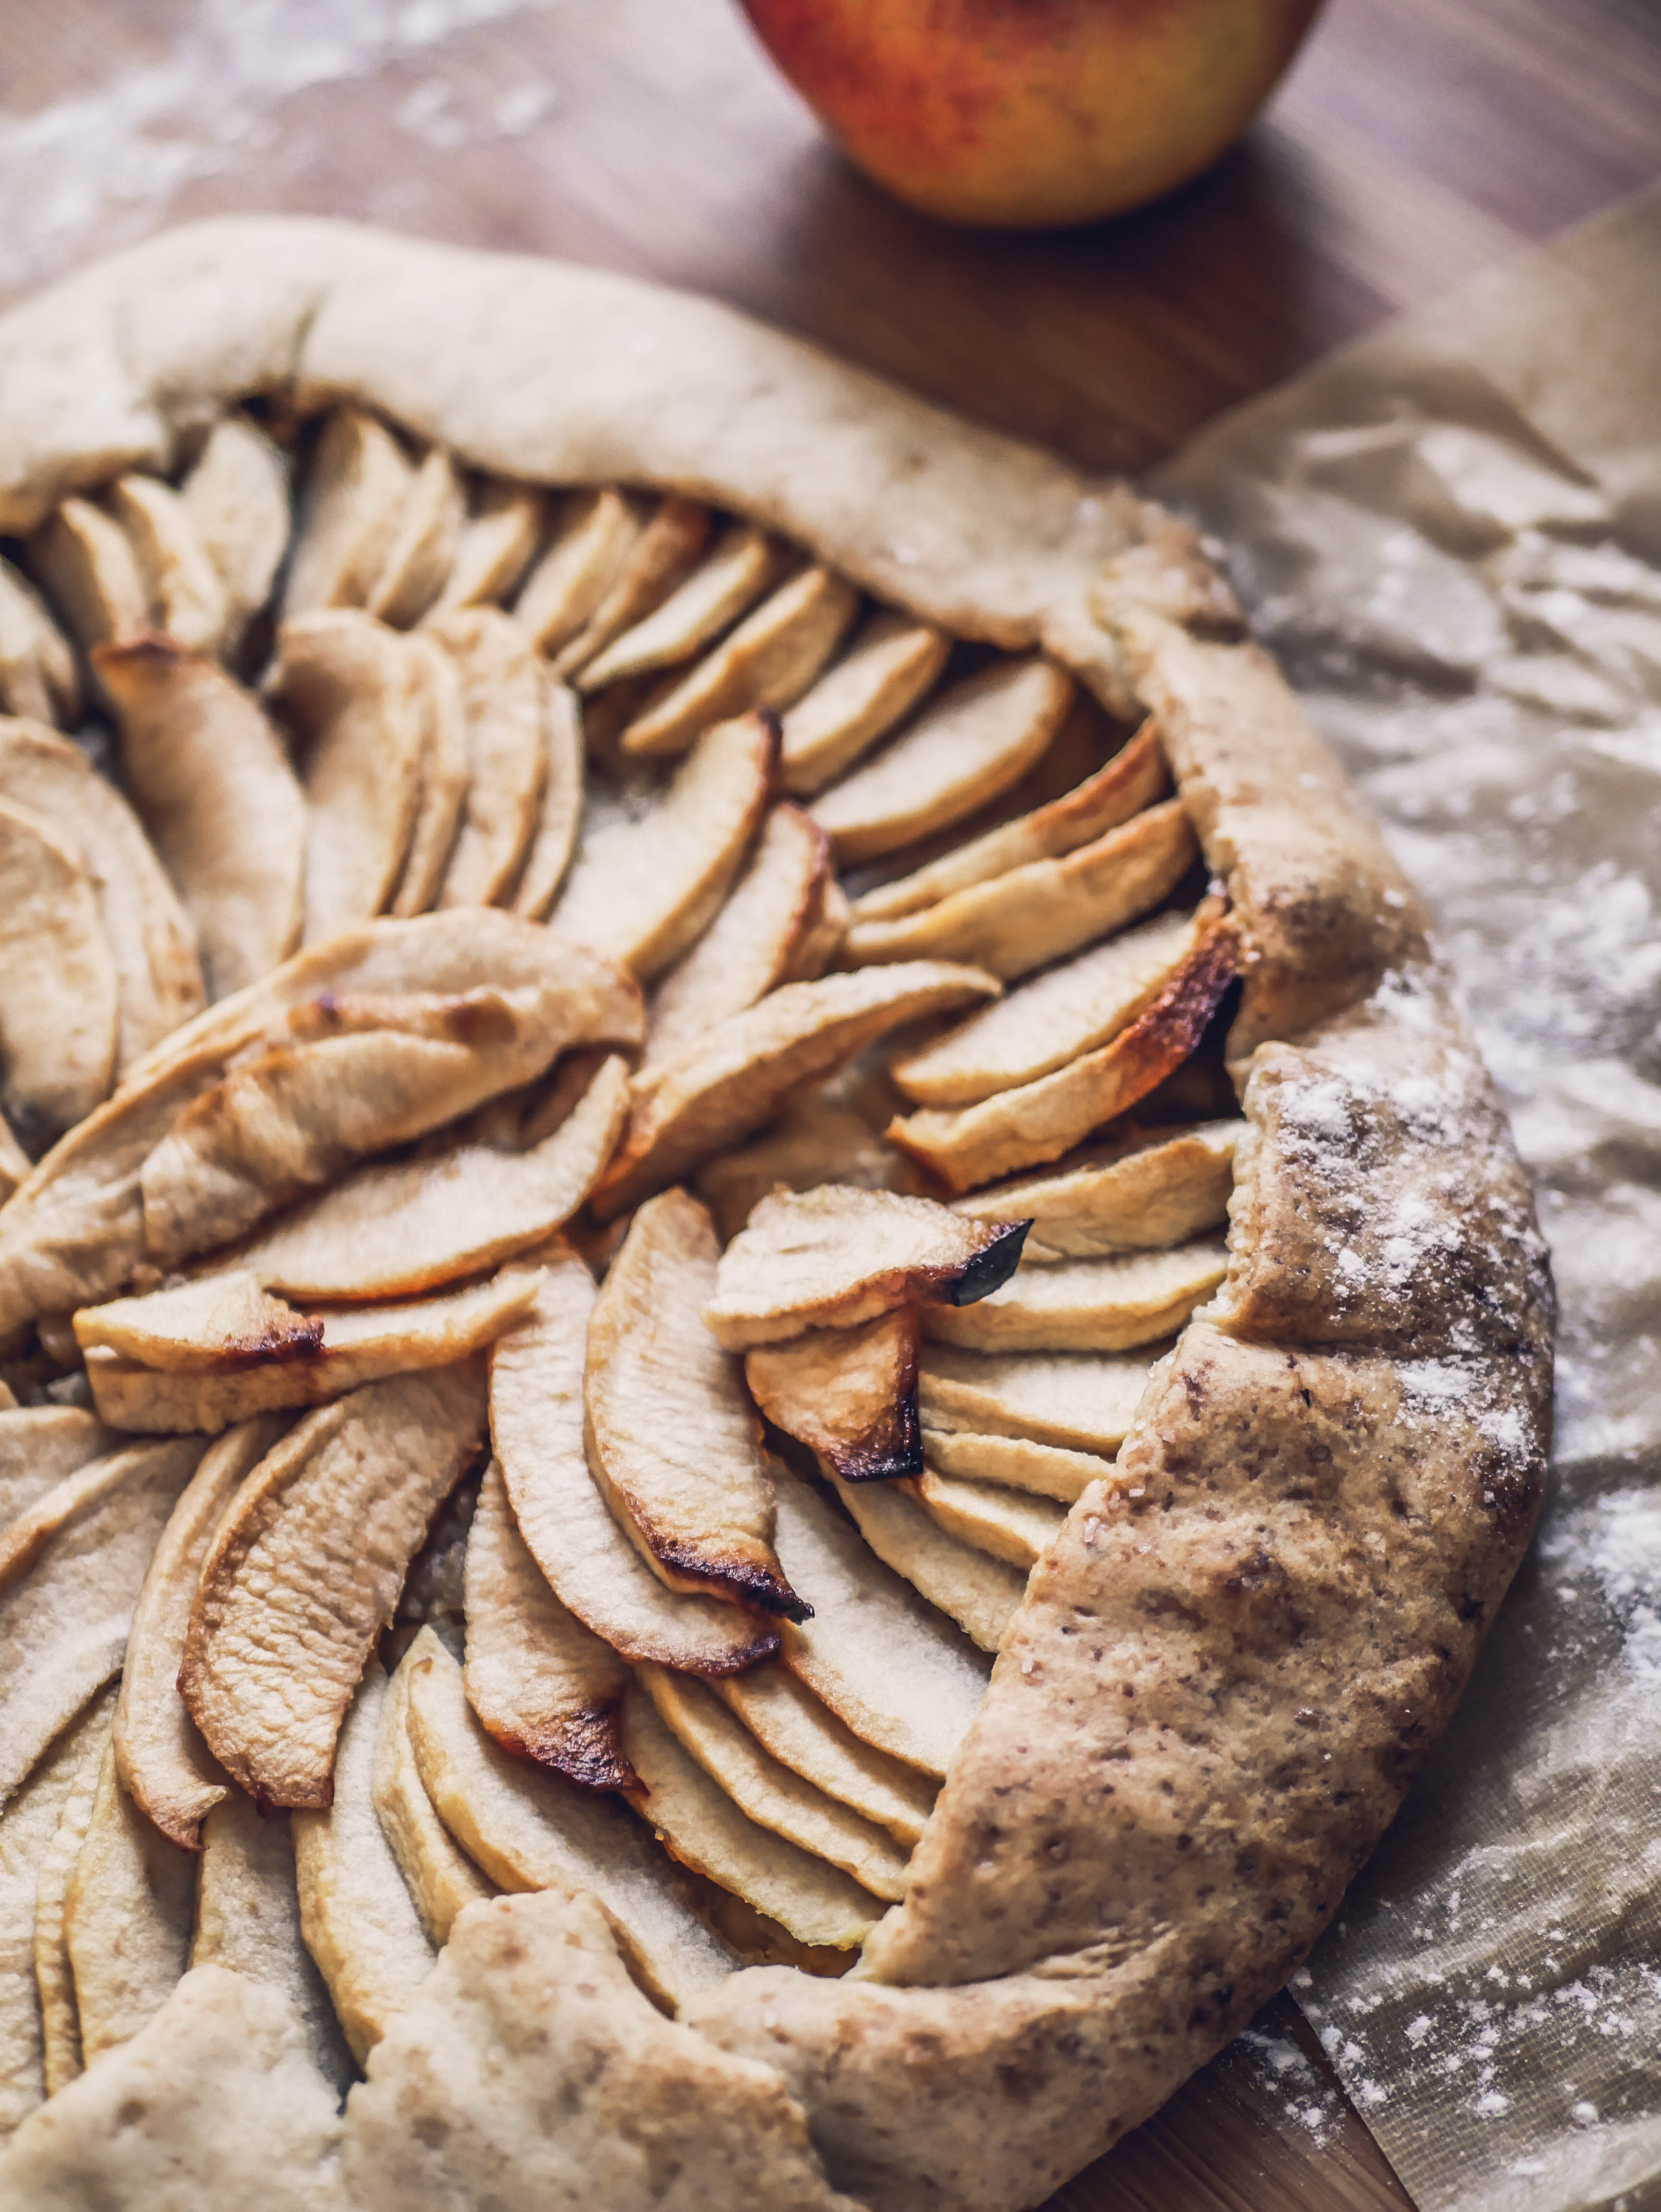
column 1060, row 1015
column 502, row 689
column 187, row 599
column 537, row 1428
column 237, row 499
column 91, row 574
column 773, row 1796
column 498, row 545
column 544, row 1686
column 979, row 1593
column 39, row 1448
column 1077, row 1401
column 348, row 688
column 1006, row 1524
column 729, row 579
column 128, row 1909
column 444, row 774
column 1156, row 1189
column 672, row 1439
column 749, row 946
column 831, row 1133
column 422, row 552
column 305, row 1571
column 819, row 946
column 76, row 1757
column 158, row 975
column 1134, row 779
column 836, row 1257
column 703, row 1828
column 894, row 1671
column 1014, row 1462
column 849, row 1395
column 592, row 540
column 364, row 1345
column 414, row 1224
column 966, row 747
column 59, row 998
column 360, row 1921
column 38, row 676
column 531, row 1830
column 735, row 1079
column 440, row 1877
column 159, row 1754
column 1048, row 908
column 768, row 661
column 1040, row 1121
column 641, row 891
column 554, row 840
column 87, row 1543
column 211, row 782
column 352, row 505
column 655, row 562
column 804, row 1735
column 890, row 665
column 1087, row 1305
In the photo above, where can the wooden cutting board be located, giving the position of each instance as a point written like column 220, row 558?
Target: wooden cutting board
column 1416, row 141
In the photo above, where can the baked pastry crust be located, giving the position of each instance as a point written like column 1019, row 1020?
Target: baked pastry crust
column 1228, row 1669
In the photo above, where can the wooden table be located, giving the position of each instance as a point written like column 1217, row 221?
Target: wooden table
column 1416, row 141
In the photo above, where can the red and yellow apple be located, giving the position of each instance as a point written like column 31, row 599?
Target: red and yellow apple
column 1025, row 113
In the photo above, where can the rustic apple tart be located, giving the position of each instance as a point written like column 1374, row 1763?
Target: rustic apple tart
column 770, row 1352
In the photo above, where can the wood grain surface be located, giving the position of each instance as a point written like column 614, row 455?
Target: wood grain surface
column 1415, row 142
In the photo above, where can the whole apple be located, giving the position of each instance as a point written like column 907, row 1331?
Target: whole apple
column 1026, row 112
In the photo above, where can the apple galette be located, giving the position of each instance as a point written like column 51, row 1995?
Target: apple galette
column 769, row 1352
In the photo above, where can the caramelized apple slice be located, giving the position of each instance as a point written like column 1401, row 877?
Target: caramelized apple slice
column 1154, row 1189
column 849, row 1395
column 1006, row 1524
column 1077, row 1401
column 439, row 1876
column 1014, row 1463
column 1087, row 1305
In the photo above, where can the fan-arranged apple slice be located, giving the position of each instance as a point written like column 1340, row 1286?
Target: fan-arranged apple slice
column 187, row 598
column 803, row 1734
column 365, row 1344
column 529, row 1829
column 592, row 540
column 444, row 773
column 159, row 1753
column 1045, row 909
column 1155, row 1189
column 979, row 1593
column 423, row 551
column 1039, row 1120
column 59, row 1003
column 768, row 661
column 537, row 1428
column 354, row 501
column 1006, row 1524
column 751, row 945
column 360, row 1921
column 817, row 1903
column 1134, row 779
column 79, row 1752
column 212, row 784
column 837, row 1255
column 237, row 499
column 1073, row 1399
column 64, row 1625
column 849, row 1395
column 349, row 688
column 899, row 1676
column 1087, row 1305
column 304, row 1571
column 503, row 697
column 654, row 563
column 546, row 1686
column 497, row 544
column 968, row 746
column 641, row 891
column 441, row 1878
column 672, row 1439
column 1014, row 1462
column 890, row 665
column 774, row 1797
column 38, row 676
column 736, row 1078
column 554, row 840
column 128, row 1910
column 87, row 563
column 729, row 579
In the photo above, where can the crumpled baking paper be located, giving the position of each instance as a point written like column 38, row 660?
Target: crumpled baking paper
column 1450, row 535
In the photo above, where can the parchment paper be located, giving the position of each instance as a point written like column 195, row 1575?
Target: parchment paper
column 1451, row 536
